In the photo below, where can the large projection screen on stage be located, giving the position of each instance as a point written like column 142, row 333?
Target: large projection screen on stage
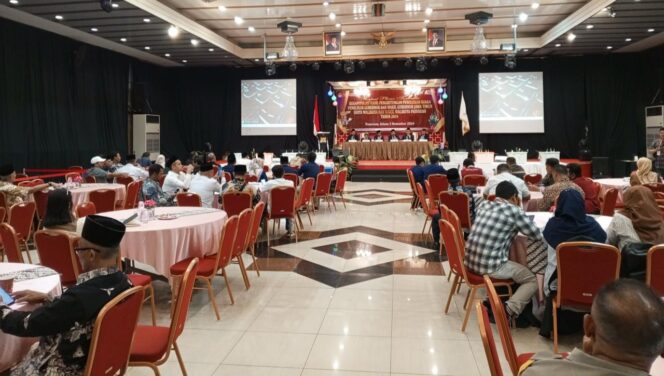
column 269, row 107
column 511, row 102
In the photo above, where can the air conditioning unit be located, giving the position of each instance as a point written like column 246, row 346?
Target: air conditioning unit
column 654, row 116
column 146, row 135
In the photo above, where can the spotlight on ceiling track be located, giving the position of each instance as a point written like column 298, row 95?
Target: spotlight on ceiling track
column 458, row 61
column 408, row 63
column 385, row 63
column 510, row 61
column 106, row 5
column 361, row 64
column 270, row 69
column 434, row 62
column 315, row 66
column 421, row 65
column 292, row 67
column 337, row 65
column 349, row 67
column 484, row 60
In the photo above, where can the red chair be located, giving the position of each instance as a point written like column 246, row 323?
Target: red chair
column 251, row 178
column 84, row 209
column 228, row 176
column 655, row 262
column 322, row 190
column 31, row 183
column 131, row 199
column 104, row 200
column 608, row 202
column 459, row 203
column 162, row 178
column 303, row 200
column 145, row 281
column 56, row 251
column 533, row 179
column 438, row 183
column 241, row 242
column 113, row 334
column 266, row 169
column 583, row 267
column 9, row 241
column 495, row 369
column 491, row 198
column 124, row 180
column 72, row 175
column 152, row 344
column 208, row 266
column 321, row 169
column 3, row 214
column 414, row 204
column 293, row 178
column 41, row 200
column 252, row 236
column 500, row 316
column 188, row 199
column 430, row 211
column 235, row 202
column 474, row 180
column 474, row 281
column 3, row 201
column 20, row 218
column 340, row 185
column 90, row 179
column 281, row 205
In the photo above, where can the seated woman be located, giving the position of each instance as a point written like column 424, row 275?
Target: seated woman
column 639, row 222
column 644, row 174
column 59, row 211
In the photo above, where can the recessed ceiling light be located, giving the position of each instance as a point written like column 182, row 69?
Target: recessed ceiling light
column 146, row 20
column 194, row 42
column 523, row 16
column 534, row 5
column 332, row 16
column 238, row 20
column 123, row 40
column 571, row 37
column 326, row 3
column 343, row 33
column 94, row 29
column 221, row 8
column 167, row 55
column 424, row 29
column 628, row 39
column 147, row 48
column 557, row 44
column 609, row 47
column 426, row 22
column 15, row 2
column 651, row 30
column 115, row 5
column 525, row 50
column 252, row 29
column 428, row 11
column 184, row 61
column 257, row 59
column 589, row 26
column 211, row 49
column 173, row 31
column 338, row 25
column 59, row 17
column 514, row 26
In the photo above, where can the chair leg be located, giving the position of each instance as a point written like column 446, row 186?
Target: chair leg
column 299, row 219
column 152, row 305
column 267, row 232
column 27, row 250
column 228, row 286
column 243, row 270
column 449, row 298
column 465, row 303
column 470, row 303
column 253, row 256
column 211, row 295
column 555, row 328
column 343, row 200
column 177, row 353
column 426, row 220
column 331, row 198
column 309, row 215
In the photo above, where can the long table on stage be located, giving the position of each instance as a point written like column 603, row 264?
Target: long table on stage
column 386, row 150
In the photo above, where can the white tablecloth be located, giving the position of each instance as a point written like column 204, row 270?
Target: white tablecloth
column 620, row 184
column 162, row 243
column 13, row 349
column 490, row 168
column 80, row 195
column 541, row 218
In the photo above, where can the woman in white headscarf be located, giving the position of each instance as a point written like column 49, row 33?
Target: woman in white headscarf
column 644, row 174
column 161, row 160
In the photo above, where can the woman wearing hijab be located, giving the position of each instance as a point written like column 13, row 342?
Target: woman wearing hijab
column 161, row 160
column 639, row 222
column 644, row 173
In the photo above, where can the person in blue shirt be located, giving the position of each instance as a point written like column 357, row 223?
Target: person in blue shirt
column 310, row 169
column 230, row 165
column 433, row 167
column 287, row 168
column 418, row 170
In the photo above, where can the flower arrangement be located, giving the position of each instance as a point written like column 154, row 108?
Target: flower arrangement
column 150, row 204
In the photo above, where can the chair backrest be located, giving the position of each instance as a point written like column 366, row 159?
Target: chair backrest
column 113, row 334
column 41, row 200
column 72, row 175
column 20, row 218
column 131, row 199
column 162, row 178
column 474, row 180
column 438, row 183
column 31, row 183
column 491, row 198
column 104, row 200
column 609, row 202
column 655, row 263
column 422, row 197
column 3, row 201
column 597, row 187
column 10, row 243
column 533, row 178
column 3, row 213
column 85, row 208
column 235, row 202
column 584, row 267
column 255, row 222
column 500, row 317
column 488, row 341
column 323, row 182
column 185, row 290
column 266, row 169
column 321, row 168
column 282, row 202
column 90, row 179
column 188, row 199
column 56, row 251
column 341, row 181
column 432, row 199
column 291, row 177
column 459, row 203
column 227, row 242
column 451, row 242
column 306, row 191
column 243, row 226
column 453, row 219
column 228, row 176
column 124, row 180
column 250, row 178
column 411, row 181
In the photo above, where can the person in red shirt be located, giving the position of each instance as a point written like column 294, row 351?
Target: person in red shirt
column 470, row 169
column 587, row 185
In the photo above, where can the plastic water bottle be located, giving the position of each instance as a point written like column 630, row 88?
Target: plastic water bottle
column 215, row 200
column 142, row 213
column 68, row 186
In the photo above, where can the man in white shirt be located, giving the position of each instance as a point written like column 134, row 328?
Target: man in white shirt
column 205, row 185
column 132, row 169
column 278, row 181
column 504, row 174
column 178, row 178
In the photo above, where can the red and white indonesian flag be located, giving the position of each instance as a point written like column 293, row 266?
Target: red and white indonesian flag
column 463, row 116
column 316, row 120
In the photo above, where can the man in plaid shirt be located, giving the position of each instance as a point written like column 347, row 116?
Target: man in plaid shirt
column 488, row 247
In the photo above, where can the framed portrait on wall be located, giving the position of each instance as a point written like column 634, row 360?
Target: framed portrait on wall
column 332, row 43
column 436, row 39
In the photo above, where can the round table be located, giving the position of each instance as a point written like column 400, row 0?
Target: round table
column 195, row 232
column 541, row 218
column 620, row 184
column 13, row 349
column 80, row 195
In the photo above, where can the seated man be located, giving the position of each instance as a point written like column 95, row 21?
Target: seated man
column 432, row 168
column 515, row 169
column 178, row 177
column 98, row 172
column 470, row 169
column 205, row 185
column 286, row 165
column 365, row 137
column 353, row 136
column 409, row 135
column 561, row 182
column 278, row 181
column 310, row 169
column 623, row 335
column 230, row 164
column 424, row 136
column 378, row 136
column 587, row 186
column 504, row 174
column 115, row 161
column 496, row 225
column 65, row 323
column 418, row 171
column 393, row 135
column 132, row 169
column 152, row 189
column 145, row 161
column 13, row 193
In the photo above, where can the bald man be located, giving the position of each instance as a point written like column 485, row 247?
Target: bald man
column 623, row 335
